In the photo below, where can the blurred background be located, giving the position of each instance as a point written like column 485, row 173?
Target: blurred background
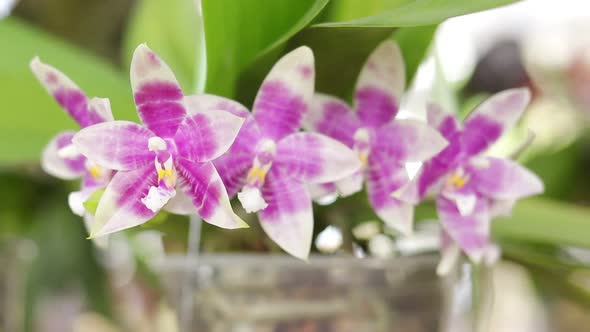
column 53, row 279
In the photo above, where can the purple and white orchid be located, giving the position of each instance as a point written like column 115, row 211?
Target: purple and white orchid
column 383, row 143
column 472, row 188
column 173, row 149
column 272, row 161
column 60, row 157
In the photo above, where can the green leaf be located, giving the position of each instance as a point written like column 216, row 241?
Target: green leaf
column 92, row 202
column 546, row 221
column 339, row 55
column 414, row 43
column 30, row 117
column 401, row 13
column 174, row 30
column 237, row 32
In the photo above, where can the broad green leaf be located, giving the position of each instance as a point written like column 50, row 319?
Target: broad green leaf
column 414, row 43
column 401, row 13
column 237, row 32
column 546, row 221
column 173, row 29
column 30, row 117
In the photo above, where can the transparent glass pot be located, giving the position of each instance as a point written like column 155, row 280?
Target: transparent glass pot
column 278, row 293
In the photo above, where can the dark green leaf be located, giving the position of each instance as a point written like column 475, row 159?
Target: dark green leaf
column 173, row 29
column 237, row 32
column 402, row 13
column 339, row 55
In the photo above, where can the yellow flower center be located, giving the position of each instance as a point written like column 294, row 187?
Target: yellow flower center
column 457, row 180
column 257, row 175
column 166, row 173
column 96, row 171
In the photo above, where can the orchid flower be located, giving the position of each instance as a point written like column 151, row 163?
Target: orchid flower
column 382, row 143
column 272, row 161
column 173, row 150
column 60, row 157
column 472, row 188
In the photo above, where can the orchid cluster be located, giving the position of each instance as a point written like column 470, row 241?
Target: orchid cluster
column 191, row 154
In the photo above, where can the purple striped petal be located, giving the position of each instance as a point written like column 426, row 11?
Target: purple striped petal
column 117, row 145
column 206, row 135
column 380, row 85
column 120, row 206
column 470, row 232
column 408, row 141
column 206, row 102
column 445, row 123
column 433, row 170
column 492, row 118
column 288, row 218
column 332, row 117
column 55, row 163
column 157, row 94
column 504, row 179
column 384, row 177
column 284, row 96
column 69, row 96
column 203, row 185
column 315, row 158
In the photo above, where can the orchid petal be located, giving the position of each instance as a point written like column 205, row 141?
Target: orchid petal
column 470, row 232
column 234, row 165
column 181, row 204
column 76, row 200
column 157, row 94
column 384, row 178
column 501, row 208
column 53, row 163
column 100, row 242
column 120, row 206
column 117, row 145
column 288, row 218
column 408, row 141
column 284, row 96
column 69, row 96
column 380, row 85
column 102, row 107
column 504, row 179
column 433, row 171
column 323, row 193
column 206, row 102
column 492, row 118
column 315, row 158
column 207, row 135
column 350, row 184
column 446, row 123
column 332, row 117
column 203, row 185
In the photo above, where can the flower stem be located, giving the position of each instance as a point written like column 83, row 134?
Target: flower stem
column 187, row 295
